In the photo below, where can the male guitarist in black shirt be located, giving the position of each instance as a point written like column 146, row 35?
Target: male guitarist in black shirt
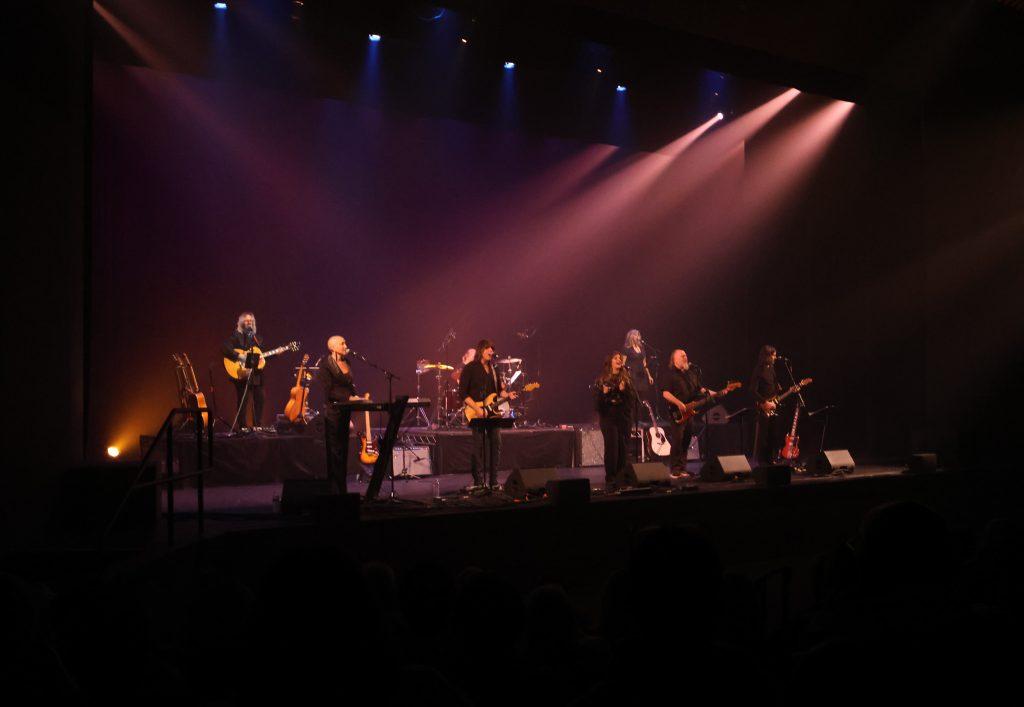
column 478, row 380
column 679, row 386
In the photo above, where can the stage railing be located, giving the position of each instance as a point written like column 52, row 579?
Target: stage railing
column 167, row 430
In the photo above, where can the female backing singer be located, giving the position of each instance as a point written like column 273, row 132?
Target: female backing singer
column 636, row 362
column 614, row 398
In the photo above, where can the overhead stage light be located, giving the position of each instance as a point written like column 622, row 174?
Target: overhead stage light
column 510, row 65
column 216, row 6
column 464, row 40
column 374, row 37
column 114, row 452
column 720, row 116
column 620, row 88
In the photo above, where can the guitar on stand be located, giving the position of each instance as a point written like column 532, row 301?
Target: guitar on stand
column 368, row 450
column 791, row 448
column 660, row 446
column 297, row 407
column 188, row 387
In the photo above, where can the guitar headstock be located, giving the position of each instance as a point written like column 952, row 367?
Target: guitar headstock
column 305, row 359
column 293, row 346
column 177, row 359
column 805, row 381
column 732, row 385
column 529, row 387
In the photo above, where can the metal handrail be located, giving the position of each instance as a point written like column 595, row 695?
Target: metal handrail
column 167, row 429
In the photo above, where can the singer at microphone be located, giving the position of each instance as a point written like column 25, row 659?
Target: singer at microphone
column 765, row 389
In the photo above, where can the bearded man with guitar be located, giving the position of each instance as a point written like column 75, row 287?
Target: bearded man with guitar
column 680, row 385
column 479, row 380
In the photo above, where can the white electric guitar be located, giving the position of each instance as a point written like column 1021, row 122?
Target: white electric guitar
column 660, row 446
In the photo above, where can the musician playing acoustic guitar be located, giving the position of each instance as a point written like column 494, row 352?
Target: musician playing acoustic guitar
column 479, row 379
column 243, row 338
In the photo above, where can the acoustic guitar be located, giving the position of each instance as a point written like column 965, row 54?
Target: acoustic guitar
column 690, row 410
column 295, row 408
column 660, row 445
column 491, row 405
column 238, row 370
column 188, row 386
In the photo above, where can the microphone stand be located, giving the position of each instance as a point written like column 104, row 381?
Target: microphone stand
column 792, row 381
column 827, row 409
column 388, row 375
column 254, row 359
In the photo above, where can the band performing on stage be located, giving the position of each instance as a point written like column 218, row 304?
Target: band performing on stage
column 483, row 387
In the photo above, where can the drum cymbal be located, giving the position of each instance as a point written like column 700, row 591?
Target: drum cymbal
column 510, row 361
column 425, row 365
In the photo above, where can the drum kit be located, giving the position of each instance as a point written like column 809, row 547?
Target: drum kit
column 449, row 410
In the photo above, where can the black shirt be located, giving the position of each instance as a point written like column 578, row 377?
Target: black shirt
column 763, row 384
column 684, row 385
column 241, row 340
column 615, row 403
column 338, row 386
column 476, row 383
column 635, row 361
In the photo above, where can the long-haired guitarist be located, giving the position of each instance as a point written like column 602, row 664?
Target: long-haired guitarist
column 679, row 386
column 765, row 389
column 614, row 398
column 244, row 337
column 479, row 380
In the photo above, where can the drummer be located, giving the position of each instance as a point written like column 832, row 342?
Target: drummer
column 466, row 358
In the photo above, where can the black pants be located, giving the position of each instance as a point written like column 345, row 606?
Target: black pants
column 256, row 395
column 615, row 430
column 336, row 440
column 679, row 437
column 767, row 440
column 486, row 454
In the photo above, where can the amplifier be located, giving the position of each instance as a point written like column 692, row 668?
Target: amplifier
column 414, row 461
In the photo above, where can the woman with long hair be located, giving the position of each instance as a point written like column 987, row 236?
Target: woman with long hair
column 636, row 363
column 764, row 387
column 614, row 398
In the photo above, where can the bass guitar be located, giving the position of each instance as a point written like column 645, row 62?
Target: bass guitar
column 368, row 450
column 779, row 398
column 660, row 446
column 239, row 371
column 491, row 405
column 791, row 448
column 295, row 408
column 188, row 386
column 690, row 410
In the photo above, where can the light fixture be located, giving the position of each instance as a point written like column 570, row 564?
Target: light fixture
column 620, row 88
column 374, row 37
column 112, row 451
column 216, row 6
column 510, row 65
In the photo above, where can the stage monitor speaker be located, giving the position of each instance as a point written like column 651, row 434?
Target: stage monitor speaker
column 725, row 466
column 522, row 482
column 831, row 461
column 569, row 493
column 922, row 463
column 774, row 475
column 647, row 474
column 414, row 461
column 298, row 495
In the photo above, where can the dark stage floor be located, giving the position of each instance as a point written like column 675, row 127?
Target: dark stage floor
column 230, row 508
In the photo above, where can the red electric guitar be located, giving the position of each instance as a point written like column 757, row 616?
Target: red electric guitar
column 791, row 448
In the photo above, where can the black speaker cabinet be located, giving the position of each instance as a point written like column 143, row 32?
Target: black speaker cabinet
column 298, row 495
column 774, row 475
column 831, row 461
column 724, row 467
column 522, row 482
column 922, row 463
column 647, row 473
column 569, row 493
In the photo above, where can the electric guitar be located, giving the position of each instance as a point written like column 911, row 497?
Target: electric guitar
column 689, row 411
column 368, row 451
column 779, row 398
column 296, row 406
column 237, row 369
column 188, row 386
column 660, row 445
column 791, row 448
column 491, row 405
